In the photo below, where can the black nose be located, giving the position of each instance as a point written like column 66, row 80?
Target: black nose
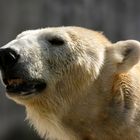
column 8, row 58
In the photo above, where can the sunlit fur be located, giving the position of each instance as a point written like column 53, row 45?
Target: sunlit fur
column 92, row 88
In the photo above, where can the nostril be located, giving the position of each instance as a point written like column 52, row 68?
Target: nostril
column 8, row 58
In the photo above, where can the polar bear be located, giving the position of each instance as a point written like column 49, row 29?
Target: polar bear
column 75, row 83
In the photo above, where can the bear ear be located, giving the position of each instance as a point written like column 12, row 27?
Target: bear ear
column 126, row 54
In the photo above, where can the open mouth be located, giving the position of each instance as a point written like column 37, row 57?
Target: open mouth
column 23, row 87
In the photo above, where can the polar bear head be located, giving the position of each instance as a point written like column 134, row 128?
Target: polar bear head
column 60, row 64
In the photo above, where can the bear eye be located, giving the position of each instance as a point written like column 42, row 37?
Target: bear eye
column 56, row 41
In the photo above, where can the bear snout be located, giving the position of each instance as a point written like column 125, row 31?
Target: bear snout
column 13, row 75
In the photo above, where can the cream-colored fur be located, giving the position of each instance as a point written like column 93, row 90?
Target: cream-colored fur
column 92, row 88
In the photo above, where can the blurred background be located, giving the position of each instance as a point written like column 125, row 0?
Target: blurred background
column 118, row 19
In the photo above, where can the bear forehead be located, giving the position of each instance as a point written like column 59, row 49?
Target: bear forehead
column 50, row 31
column 61, row 31
column 69, row 33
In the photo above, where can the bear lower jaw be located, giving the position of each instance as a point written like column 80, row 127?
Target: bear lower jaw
column 21, row 87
